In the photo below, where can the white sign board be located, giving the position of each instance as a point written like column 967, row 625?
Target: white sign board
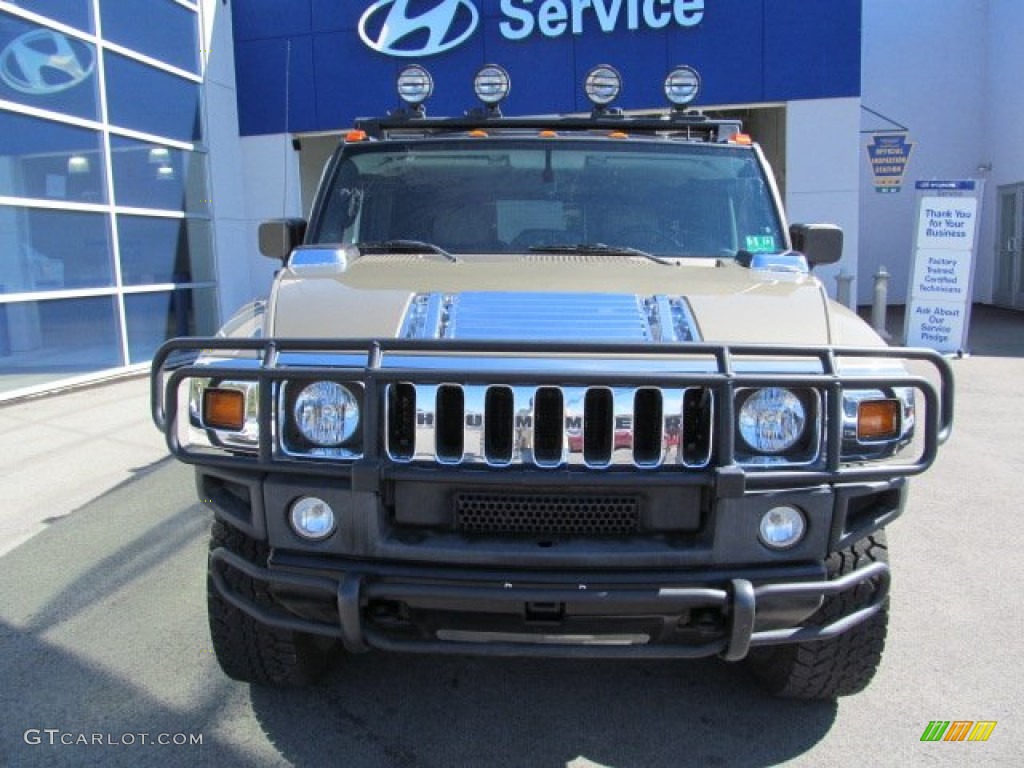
column 939, row 305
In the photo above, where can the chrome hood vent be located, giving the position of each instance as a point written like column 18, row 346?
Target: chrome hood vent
column 537, row 316
column 618, row 259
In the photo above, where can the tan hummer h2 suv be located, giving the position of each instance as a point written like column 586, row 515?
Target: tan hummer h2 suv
column 554, row 386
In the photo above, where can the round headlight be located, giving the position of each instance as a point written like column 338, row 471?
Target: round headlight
column 782, row 527
column 602, row 85
column 772, row 420
column 312, row 518
column 415, row 85
column 326, row 413
column 491, row 84
column 682, row 85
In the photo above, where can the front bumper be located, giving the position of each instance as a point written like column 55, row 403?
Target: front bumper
column 724, row 609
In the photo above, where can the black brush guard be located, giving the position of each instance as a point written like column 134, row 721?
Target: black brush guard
column 383, row 366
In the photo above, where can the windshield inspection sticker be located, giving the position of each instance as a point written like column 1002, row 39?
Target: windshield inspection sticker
column 760, row 243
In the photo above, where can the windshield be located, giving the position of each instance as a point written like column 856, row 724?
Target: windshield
column 508, row 195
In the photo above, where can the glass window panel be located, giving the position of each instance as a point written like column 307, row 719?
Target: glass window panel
column 44, row 341
column 74, row 13
column 51, row 161
column 152, row 318
column 153, row 176
column 47, row 69
column 159, row 250
column 44, row 250
column 146, row 99
column 164, row 30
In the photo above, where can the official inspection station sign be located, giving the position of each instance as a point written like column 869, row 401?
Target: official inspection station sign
column 889, row 155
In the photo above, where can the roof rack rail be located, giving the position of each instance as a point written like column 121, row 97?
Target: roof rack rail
column 687, row 125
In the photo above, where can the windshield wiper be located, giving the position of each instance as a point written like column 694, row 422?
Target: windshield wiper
column 598, row 249
column 405, row 246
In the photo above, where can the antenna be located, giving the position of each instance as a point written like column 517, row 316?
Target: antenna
column 287, row 143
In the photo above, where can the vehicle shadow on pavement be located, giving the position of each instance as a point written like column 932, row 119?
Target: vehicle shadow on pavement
column 60, row 709
column 401, row 710
column 121, row 568
column 105, row 652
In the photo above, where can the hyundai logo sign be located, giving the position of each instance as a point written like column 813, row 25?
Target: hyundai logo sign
column 387, row 27
column 42, row 61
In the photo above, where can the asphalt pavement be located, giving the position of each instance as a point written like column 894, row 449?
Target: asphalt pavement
column 105, row 656
column 60, row 451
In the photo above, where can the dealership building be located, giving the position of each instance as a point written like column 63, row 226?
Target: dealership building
column 142, row 143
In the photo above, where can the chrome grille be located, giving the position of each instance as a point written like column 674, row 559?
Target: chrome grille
column 537, row 513
column 500, row 425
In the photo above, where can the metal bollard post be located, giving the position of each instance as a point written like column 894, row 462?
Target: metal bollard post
column 843, row 282
column 881, row 302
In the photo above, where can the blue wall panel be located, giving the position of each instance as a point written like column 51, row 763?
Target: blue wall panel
column 728, row 51
column 538, row 83
column 810, row 49
column 260, row 19
column 261, row 84
column 747, row 51
column 337, row 15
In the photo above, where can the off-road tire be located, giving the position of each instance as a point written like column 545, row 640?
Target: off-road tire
column 248, row 650
column 845, row 664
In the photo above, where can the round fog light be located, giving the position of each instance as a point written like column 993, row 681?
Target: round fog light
column 312, row 518
column 782, row 527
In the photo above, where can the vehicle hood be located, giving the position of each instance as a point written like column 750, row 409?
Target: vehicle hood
column 553, row 297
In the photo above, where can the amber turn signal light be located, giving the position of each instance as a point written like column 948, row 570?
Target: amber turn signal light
column 224, row 409
column 878, row 420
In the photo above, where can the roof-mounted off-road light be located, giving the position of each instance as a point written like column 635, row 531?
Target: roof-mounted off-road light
column 682, row 86
column 491, row 85
column 415, row 86
column 603, row 85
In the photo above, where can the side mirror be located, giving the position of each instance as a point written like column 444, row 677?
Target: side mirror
column 820, row 243
column 279, row 237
